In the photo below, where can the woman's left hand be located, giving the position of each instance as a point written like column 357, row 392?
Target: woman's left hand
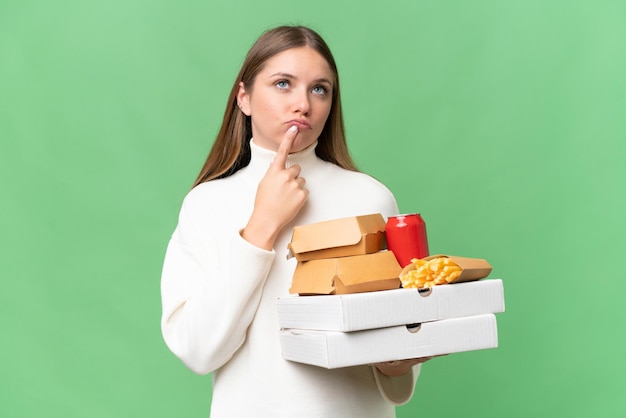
column 400, row 367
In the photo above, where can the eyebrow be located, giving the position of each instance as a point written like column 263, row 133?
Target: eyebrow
column 291, row 76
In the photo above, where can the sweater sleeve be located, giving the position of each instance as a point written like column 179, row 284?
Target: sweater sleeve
column 211, row 286
column 397, row 390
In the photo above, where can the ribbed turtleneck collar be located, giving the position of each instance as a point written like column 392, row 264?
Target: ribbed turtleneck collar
column 261, row 158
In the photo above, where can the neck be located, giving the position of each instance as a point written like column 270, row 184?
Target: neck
column 261, row 158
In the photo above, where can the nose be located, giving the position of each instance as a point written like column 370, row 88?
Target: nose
column 302, row 102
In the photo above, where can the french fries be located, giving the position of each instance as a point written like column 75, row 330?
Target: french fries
column 429, row 273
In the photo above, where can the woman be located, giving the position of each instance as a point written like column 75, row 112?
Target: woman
column 279, row 160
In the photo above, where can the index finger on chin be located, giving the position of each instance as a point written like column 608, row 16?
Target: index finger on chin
column 285, row 147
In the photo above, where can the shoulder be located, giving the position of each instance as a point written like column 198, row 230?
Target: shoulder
column 210, row 207
column 355, row 188
column 199, row 196
column 361, row 180
column 208, row 195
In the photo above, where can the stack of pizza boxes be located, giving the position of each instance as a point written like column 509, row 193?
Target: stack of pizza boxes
column 347, row 306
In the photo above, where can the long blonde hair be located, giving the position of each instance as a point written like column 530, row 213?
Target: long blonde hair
column 231, row 149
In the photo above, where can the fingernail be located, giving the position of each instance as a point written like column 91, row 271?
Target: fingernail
column 294, row 128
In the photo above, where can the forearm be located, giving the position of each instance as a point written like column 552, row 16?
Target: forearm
column 209, row 300
column 397, row 389
column 394, row 368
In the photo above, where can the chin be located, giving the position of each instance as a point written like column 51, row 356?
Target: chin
column 301, row 145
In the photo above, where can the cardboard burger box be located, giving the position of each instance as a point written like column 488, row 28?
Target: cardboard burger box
column 342, row 275
column 360, row 311
column 343, row 237
column 340, row 256
column 334, row 349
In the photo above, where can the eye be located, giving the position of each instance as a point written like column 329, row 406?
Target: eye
column 282, row 84
column 321, row 90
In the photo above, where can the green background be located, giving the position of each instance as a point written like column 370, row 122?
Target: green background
column 502, row 122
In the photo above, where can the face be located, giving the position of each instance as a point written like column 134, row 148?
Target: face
column 294, row 87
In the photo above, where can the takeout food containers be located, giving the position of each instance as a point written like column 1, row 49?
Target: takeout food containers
column 360, row 311
column 346, row 255
column 334, row 331
column 354, row 274
column 333, row 349
column 471, row 268
column 347, row 308
column 343, row 237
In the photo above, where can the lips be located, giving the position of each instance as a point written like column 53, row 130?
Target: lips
column 300, row 123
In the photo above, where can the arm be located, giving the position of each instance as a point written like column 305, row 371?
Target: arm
column 209, row 296
column 397, row 389
column 396, row 379
column 213, row 276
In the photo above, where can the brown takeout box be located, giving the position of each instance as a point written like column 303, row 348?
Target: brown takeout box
column 354, row 274
column 338, row 238
column 472, row 268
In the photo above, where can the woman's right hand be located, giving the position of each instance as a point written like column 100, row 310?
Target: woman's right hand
column 279, row 197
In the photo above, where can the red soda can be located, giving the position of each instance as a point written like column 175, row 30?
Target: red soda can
column 406, row 237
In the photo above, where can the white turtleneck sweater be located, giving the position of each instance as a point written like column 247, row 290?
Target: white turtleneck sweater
column 219, row 298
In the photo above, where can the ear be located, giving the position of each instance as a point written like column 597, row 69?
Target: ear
column 243, row 99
